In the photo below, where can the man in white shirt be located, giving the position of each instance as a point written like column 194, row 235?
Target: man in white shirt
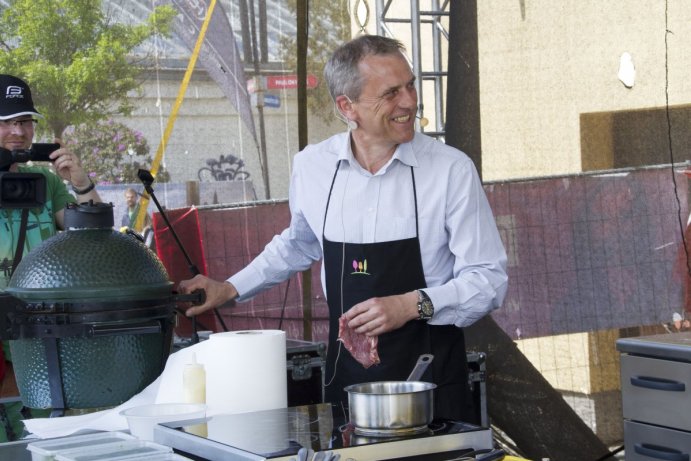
column 410, row 249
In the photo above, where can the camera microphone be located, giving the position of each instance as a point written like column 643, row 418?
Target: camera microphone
column 40, row 152
column 423, row 121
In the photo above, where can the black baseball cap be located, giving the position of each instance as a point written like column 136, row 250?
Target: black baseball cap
column 15, row 98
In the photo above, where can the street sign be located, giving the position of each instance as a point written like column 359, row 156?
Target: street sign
column 270, row 100
column 281, row 82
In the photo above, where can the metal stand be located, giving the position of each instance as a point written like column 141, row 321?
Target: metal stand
column 147, row 179
column 57, row 396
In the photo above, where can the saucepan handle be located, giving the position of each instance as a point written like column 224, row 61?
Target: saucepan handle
column 420, row 367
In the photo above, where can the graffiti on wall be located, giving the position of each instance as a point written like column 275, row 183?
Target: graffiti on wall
column 226, row 168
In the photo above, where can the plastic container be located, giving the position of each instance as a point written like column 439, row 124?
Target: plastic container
column 127, row 450
column 45, row 450
column 162, row 457
column 142, row 419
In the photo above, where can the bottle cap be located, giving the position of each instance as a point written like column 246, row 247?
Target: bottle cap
column 193, row 361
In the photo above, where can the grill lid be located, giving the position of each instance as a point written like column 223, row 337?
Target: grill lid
column 89, row 263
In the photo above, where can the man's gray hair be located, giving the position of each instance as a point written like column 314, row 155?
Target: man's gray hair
column 341, row 71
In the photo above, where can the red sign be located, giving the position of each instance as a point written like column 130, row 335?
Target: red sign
column 281, row 82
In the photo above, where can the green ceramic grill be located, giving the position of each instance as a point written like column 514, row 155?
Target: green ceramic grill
column 91, row 321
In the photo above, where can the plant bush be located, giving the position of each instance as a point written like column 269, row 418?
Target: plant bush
column 111, row 152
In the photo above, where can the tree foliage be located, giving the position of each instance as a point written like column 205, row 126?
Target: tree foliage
column 76, row 59
column 329, row 27
column 111, row 152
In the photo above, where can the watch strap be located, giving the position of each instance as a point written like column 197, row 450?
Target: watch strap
column 86, row 190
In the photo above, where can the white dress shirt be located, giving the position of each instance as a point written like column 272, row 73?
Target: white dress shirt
column 463, row 258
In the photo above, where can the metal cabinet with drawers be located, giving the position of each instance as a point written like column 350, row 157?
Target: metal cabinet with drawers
column 656, row 396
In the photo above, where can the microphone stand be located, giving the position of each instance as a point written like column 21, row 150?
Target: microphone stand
column 147, row 180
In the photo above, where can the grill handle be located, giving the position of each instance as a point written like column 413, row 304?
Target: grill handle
column 197, row 297
column 115, row 330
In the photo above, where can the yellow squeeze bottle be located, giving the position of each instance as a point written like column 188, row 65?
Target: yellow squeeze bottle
column 194, row 382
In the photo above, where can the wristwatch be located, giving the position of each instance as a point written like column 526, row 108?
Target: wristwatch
column 86, row 190
column 425, row 308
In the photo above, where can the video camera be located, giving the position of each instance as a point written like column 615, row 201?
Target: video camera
column 23, row 190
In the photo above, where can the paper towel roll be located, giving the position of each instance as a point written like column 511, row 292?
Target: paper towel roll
column 245, row 371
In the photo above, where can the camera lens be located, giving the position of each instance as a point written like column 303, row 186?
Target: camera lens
column 22, row 190
column 18, row 189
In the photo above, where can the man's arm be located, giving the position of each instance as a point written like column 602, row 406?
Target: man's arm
column 479, row 279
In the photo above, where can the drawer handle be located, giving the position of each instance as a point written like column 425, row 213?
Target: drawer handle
column 658, row 452
column 659, row 384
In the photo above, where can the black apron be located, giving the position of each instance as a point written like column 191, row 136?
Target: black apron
column 356, row 272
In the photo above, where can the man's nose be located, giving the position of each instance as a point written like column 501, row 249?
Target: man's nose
column 16, row 128
column 409, row 98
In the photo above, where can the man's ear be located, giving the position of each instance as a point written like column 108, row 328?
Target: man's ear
column 344, row 105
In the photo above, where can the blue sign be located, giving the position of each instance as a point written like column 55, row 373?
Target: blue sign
column 272, row 100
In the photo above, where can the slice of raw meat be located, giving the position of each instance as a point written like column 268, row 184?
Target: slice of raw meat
column 363, row 348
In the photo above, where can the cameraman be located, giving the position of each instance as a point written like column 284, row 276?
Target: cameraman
column 17, row 123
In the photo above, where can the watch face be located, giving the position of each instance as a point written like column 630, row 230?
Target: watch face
column 426, row 308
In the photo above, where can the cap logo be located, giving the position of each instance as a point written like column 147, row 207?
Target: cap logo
column 14, row 92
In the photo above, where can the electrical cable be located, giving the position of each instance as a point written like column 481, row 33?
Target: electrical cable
column 343, row 237
column 283, row 307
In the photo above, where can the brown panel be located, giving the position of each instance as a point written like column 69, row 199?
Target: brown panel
column 597, row 144
column 641, row 137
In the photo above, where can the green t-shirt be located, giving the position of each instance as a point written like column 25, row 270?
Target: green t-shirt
column 41, row 223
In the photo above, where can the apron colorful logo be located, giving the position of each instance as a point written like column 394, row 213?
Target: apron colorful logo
column 360, row 267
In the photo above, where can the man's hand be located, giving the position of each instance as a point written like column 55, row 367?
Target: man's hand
column 381, row 315
column 68, row 167
column 216, row 293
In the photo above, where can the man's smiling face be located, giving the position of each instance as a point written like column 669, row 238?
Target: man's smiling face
column 387, row 104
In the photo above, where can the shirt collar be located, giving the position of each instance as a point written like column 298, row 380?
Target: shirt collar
column 404, row 153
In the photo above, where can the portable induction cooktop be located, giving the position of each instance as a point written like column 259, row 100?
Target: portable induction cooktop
column 279, row 434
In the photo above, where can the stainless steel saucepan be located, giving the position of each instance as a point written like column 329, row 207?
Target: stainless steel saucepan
column 390, row 408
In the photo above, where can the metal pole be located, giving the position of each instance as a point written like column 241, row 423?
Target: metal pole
column 416, row 53
column 260, row 104
column 263, row 33
column 438, row 83
column 302, row 34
